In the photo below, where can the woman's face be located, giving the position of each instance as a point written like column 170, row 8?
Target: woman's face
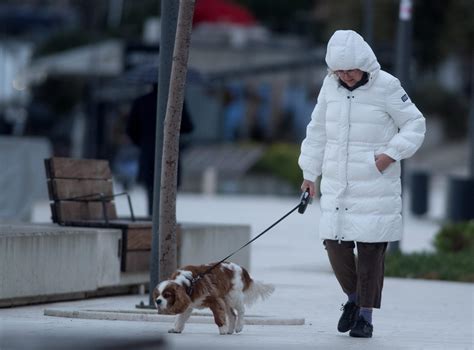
column 350, row 77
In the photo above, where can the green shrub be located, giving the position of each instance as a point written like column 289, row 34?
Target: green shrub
column 458, row 237
column 435, row 266
column 281, row 160
column 452, row 261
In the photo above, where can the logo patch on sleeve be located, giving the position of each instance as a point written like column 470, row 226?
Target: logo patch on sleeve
column 404, row 97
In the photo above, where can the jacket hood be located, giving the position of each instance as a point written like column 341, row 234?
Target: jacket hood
column 348, row 50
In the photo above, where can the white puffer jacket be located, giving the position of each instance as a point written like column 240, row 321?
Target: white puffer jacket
column 347, row 130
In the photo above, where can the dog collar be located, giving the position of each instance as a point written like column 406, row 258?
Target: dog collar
column 192, row 282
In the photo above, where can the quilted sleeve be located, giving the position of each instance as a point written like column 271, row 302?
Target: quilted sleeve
column 409, row 120
column 312, row 147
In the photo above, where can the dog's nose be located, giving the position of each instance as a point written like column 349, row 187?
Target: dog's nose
column 158, row 301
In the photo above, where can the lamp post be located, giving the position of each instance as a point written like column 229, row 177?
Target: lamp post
column 471, row 122
column 402, row 63
column 369, row 22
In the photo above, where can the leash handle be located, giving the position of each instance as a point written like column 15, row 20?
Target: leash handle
column 304, row 201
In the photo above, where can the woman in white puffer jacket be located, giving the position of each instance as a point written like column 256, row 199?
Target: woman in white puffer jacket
column 363, row 124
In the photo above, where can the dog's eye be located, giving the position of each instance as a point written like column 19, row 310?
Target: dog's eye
column 166, row 295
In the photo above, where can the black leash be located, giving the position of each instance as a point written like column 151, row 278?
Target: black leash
column 304, row 201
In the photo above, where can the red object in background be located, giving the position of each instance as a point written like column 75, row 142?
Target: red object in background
column 222, row 11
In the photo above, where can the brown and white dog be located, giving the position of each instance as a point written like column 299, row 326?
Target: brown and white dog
column 226, row 289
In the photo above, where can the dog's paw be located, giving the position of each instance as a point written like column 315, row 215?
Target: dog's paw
column 176, row 331
column 224, row 330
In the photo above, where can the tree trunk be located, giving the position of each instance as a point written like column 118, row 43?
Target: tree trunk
column 169, row 165
column 169, row 20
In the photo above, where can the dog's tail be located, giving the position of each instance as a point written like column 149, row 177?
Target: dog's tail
column 257, row 290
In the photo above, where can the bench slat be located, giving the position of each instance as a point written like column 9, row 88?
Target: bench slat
column 75, row 211
column 71, row 168
column 139, row 238
column 69, row 188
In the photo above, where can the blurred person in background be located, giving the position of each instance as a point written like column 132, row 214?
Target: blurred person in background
column 363, row 125
column 141, row 128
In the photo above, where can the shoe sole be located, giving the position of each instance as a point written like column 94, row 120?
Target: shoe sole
column 358, row 335
column 344, row 330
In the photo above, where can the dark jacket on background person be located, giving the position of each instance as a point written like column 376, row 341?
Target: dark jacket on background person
column 141, row 129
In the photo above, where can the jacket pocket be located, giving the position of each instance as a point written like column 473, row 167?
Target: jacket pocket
column 373, row 165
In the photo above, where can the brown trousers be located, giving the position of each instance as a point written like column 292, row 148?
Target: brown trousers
column 362, row 274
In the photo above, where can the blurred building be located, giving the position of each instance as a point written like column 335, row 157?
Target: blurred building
column 23, row 26
column 245, row 82
column 14, row 97
column 245, row 72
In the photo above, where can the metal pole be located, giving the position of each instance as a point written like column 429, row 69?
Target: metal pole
column 402, row 64
column 169, row 166
column 114, row 16
column 368, row 19
column 471, row 121
column 404, row 35
column 169, row 18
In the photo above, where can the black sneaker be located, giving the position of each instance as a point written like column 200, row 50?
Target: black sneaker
column 362, row 329
column 349, row 316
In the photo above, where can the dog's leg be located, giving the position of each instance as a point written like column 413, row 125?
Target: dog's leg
column 239, row 306
column 181, row 320
column 230, row 318
column 218, row 308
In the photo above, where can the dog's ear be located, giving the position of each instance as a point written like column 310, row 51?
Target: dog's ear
column 155, row 293
column 182, row 300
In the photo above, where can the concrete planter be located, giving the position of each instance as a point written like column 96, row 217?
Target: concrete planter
column 38, row 260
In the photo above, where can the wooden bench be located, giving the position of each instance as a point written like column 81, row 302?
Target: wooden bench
column 81, row 194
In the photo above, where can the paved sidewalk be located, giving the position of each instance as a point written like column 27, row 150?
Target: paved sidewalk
column 415, row 314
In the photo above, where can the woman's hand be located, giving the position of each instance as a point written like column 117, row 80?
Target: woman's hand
column 382, row 161
column 309, row 185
